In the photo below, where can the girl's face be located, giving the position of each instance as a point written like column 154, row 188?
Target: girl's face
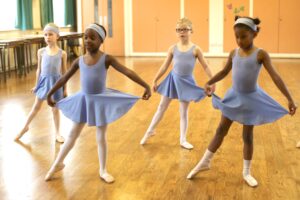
column 183, row 31
column 244, row 37
column 92, row 40
column 50, row 37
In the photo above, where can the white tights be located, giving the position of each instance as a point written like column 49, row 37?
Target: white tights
column 69, row 143
column 162, row 107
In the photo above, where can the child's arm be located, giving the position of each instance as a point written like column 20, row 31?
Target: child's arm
column 163, row 68
column 220, row 75
column 110, row 60
column 204, row 64
column 264, row 58
column 38, row 70
column 64, row 69
column 62, row 81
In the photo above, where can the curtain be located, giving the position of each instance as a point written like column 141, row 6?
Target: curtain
column 24, row 20
column 70, row 13
column 46, row 12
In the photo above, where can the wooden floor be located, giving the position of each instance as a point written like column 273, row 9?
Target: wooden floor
column 157, row 170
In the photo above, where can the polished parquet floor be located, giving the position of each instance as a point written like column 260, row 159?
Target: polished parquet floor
column 157, row 170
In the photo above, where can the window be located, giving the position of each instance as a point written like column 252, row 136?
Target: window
column 8, row 14
column 59, row 13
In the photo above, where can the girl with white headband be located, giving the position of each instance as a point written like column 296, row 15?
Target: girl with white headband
column 51, row 65
column 245, row 103
column 95, row 104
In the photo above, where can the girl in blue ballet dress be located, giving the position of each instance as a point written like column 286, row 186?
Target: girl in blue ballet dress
column 95, row 104
column 245, row 102
column 180, row 83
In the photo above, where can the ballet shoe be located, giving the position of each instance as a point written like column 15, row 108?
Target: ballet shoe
column 196, row 170
column 186, row 145
column 146, row 137
column 298, row 144
column 107, row 178
column 59, row 139
column 250, row 180
column 53, row 171
column 22, row 132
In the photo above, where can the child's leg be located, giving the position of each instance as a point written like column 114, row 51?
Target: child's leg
column 162, row 107
column 67, row 146
column 56, row 120
column 204, row 163
column 183, row 108
column 34, row 110
column 248, row 152
column 102, row 154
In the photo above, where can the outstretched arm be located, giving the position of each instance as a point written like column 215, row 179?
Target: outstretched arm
column 64, row 69
column 264, row 58
column 162, row 70
column 62, row 81
column 204, row 64
column 220, row 75
column 110, row 60
column 38, row 70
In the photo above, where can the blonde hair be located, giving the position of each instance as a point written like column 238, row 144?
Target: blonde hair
column 185, row 21
column 53, row 27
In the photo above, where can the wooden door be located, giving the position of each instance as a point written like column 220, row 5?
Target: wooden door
column 198, row 12
column 153, row 24
column 289, row 26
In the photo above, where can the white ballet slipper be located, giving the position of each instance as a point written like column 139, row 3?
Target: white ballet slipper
column 146, row 137
column 55, row 169
column 197, row 169
column 107, row 177
column 250, row 180
column 187, row 145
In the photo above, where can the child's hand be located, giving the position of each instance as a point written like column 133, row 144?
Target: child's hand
column 209, row 89
column 50, row 101
column 32, row 89
column 154, row 86
column 65, row 94
column 292, row 108
column 147, row 94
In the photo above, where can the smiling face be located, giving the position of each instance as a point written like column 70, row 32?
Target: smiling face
column 244, row 37
column 92, row 40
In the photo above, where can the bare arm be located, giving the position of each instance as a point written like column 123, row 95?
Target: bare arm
column 62, row 81
column 64, row 69
column 264, row 58
column 129, row 73
column 164, row 66
column 220, row 75
column 38, row 70
column 203, row 62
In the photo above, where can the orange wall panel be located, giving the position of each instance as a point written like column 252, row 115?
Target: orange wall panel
column 198, row 12
column 289, row 26
column 268, row 36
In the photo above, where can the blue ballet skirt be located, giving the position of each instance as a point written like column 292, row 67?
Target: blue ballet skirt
column 253, row 108
column 97, row 109
column 45, row 83
column 181, row 87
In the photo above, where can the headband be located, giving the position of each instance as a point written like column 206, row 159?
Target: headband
column 98, row 29
column 51, row 28
column 248, row 22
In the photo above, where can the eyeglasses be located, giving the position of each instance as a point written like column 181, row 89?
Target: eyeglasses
column 184, row 30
